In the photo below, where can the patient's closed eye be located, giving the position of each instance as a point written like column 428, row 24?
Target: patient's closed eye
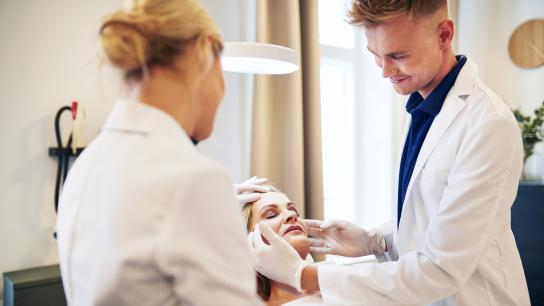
column 269, row 214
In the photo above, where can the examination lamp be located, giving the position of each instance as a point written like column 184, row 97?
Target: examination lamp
column 259, row 58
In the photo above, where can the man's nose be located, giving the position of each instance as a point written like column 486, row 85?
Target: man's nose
column 388, row 68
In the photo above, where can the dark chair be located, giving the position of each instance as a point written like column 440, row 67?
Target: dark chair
column 528, row 228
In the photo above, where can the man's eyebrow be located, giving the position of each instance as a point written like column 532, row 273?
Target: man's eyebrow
column 388, row 54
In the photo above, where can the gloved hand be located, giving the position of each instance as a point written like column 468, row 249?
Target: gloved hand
column 277, row 260
column 340, row 237
column 249, row 190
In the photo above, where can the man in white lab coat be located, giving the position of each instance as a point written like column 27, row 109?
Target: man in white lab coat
column 451, row 243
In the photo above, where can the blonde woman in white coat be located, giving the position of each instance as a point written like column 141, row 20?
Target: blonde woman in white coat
column 144, row 217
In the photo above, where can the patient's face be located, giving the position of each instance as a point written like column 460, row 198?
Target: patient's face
column 275, row 209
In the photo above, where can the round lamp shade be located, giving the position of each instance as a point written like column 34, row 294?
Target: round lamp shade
column 259, row 58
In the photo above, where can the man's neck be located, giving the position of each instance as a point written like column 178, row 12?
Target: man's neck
column 447, row 65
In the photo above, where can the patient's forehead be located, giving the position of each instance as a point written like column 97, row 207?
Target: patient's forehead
column 273, row 197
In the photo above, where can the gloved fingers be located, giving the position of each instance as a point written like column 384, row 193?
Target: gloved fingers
column 248, row 198
column 250, row 241
column 257, row 240
column 320, row 250
column 311, row 223
column 251, row 184
column 269, row 234
column 315, row 232
column 334, row 223
column 241, row 188
column 316, row 242
column 256, row 180
column 252, row 248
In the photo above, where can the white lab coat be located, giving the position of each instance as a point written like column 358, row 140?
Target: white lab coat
column 454, row 242
column 145, row 219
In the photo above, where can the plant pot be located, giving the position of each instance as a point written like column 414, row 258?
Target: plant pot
column 533, row 168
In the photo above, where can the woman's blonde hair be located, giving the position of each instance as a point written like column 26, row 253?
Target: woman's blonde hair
column 154, row 32
column 368, row 13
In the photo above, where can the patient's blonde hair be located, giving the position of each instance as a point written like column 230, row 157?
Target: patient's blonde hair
column 369, row 13
column 154, row 32
column 263, row 283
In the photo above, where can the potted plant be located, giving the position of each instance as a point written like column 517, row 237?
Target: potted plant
column 532, row 129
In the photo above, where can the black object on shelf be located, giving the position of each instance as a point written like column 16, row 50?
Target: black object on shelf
column 35, row 286
column 528, row 228
column 64, row 154
column 55, row 152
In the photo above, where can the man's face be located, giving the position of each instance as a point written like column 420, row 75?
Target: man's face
column 408, row 52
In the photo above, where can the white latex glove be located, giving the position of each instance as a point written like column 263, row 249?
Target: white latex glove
column 250, row 190
column 340, row 237
column 277, row 260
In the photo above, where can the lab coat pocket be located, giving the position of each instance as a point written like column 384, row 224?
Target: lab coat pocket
column 433, row 177
column 431, row 185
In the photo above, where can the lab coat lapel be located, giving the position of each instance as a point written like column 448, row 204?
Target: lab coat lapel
column 405, row 133
column 453, row 104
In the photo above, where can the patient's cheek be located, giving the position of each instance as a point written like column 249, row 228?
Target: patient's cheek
column 274, row 223
column 300, row 243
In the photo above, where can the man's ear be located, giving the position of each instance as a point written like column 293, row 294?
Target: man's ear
column 445, row 32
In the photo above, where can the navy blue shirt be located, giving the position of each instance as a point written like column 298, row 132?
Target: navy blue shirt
column 423, row 112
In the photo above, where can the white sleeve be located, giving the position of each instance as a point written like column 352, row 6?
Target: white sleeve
column 482, row 182
column 202, row 245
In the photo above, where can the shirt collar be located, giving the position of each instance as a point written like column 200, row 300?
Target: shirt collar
column 433, row 103
column 136, row 117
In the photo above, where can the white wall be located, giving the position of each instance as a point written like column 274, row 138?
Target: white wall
column 48, row 58
column 484, row 29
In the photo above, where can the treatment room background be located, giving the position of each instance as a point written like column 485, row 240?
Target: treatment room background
column 49, row 58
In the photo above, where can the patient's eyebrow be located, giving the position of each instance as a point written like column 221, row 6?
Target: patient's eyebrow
column 292, row 204
column 275, row 205
column 267, row 206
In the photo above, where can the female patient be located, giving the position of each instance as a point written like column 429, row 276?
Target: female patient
column 281, row 215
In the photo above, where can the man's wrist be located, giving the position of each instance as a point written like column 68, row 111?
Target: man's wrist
column 309, row 279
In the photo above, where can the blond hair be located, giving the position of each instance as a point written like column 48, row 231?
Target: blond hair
column 263, row 283
column 369, row 13
column 154, row 32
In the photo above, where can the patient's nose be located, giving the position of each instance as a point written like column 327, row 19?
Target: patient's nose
column 290, row 217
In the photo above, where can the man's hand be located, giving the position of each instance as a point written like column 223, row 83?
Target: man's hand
column 250, row 190
column 339, row 237
column 277, row 259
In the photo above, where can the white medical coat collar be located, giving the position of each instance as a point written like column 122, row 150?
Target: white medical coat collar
column 465, row 82
column 132, row 116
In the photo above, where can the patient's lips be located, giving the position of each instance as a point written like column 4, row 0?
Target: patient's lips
column 296, row 229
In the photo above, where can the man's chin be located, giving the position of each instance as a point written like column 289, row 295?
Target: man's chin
column 403, row 90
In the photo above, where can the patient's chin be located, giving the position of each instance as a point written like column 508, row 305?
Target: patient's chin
column 300, row 243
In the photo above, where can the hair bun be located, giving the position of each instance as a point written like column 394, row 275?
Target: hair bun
column 153, row 32
column 124, row 43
